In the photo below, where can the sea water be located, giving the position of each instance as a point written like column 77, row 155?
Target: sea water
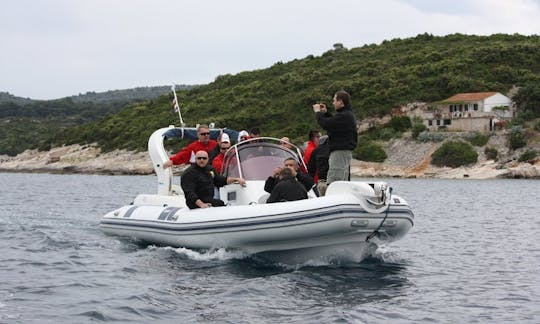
column 473, row 256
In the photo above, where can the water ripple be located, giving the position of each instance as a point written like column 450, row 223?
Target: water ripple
column 471, row 258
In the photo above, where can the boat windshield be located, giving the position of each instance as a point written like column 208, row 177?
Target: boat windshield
column 256, row 160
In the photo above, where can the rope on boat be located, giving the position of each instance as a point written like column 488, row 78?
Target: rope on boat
column 376, row 231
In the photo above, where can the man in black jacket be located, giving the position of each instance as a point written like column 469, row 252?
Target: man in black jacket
column 305, row 179
column 318, row 164
column 198, row 183
column 342, row 135
column 287, row 189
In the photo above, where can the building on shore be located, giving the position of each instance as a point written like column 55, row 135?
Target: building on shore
column 479, row 111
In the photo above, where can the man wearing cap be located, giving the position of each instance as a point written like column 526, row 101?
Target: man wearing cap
column 198, row 183
column 242, row 136
column 223, row 146
column 224, row 137
column 187, row 154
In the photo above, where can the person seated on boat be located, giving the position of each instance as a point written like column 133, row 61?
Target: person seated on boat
column 187, row 154
column 198, row 183
column 223, row 138
column 254, row 132
column 288, row 188
column 242, row 136
column 285, row 142
column 223, row 147
column 305, row 179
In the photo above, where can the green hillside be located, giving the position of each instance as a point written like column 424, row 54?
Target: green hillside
column 26, row 123
column 278, row 99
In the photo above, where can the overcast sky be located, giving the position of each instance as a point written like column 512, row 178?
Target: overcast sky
column 57, row 48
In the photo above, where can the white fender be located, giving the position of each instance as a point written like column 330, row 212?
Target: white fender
column 374, row 198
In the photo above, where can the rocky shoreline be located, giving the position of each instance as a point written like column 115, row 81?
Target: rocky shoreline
column 406, row 160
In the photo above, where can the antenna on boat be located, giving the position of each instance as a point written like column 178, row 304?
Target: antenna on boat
column 176, row 106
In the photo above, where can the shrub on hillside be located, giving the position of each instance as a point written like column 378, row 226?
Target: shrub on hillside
column 369, row 151
column 528, row 155
column 382, row 134
column 516, row 139
column 400, row 123
column 431, row 137
column 477, row 139
column 454, row 154
column 491, row 153
column 537, row 126
column 417, row 128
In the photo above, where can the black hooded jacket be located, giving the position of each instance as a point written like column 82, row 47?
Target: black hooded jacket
column 305, row 179
column 318, row 163
column 287, row 189
column 341, row 128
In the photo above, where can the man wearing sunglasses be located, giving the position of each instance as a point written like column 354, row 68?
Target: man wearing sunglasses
column 187, row 154
column 198, row 183
column 225, row 144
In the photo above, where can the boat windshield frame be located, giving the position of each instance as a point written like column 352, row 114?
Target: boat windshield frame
column 258, row 157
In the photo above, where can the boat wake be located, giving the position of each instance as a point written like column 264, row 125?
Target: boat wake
column 210, row 255
column 384, row 254
column 296, row 259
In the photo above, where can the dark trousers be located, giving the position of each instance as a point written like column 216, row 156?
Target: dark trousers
column 212, row 201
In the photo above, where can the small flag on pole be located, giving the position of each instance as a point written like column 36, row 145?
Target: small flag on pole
column 175, row 105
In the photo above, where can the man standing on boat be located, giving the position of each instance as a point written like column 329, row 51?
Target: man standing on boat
column 187, row 154
column 342, row 135
column 198, row 183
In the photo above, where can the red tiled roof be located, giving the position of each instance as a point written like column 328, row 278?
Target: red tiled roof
column 470, row 96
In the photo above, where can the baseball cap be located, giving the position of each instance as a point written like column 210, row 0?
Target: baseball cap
column 225, row 138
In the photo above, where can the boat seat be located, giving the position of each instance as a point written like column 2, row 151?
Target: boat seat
column 263, row 198
column 177, row 190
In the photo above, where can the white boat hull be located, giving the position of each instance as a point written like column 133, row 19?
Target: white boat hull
column 327, row 221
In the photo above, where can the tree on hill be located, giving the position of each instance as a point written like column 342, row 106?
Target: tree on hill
column 378, row 77
column 528, row 99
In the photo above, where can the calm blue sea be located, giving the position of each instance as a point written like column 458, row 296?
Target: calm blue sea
column 472, row 257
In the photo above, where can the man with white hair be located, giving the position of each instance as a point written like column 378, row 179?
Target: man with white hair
column 187, row 154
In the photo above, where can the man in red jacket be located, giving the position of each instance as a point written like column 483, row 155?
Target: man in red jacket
column 313, row 136
column 223, row 147
column 187, row 154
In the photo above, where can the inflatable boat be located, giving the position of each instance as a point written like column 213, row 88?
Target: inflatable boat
column 350, row 215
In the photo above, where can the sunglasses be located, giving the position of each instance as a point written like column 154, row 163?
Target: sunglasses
column 202, row 158
column 204, row 134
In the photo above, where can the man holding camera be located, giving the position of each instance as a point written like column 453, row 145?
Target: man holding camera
column 342, row 135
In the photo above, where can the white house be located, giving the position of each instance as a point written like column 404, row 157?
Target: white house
column 481, row 103
column 479, row 111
